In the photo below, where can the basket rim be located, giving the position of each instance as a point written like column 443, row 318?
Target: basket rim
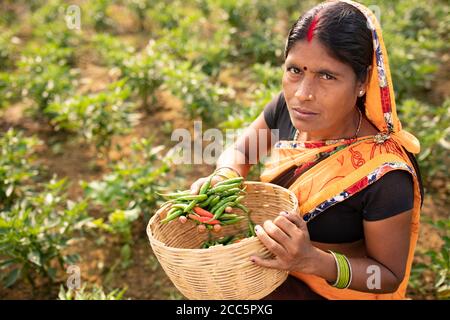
column 244, row 242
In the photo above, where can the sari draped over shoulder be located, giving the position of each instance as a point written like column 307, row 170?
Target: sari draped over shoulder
column 333, row 171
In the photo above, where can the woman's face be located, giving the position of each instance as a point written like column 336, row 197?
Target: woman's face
column 320, row 92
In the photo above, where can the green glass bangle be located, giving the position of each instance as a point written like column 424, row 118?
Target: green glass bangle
column 342, row 276
column 338, row 269
column 344, row 272
column 346, row 275
column 350, row 272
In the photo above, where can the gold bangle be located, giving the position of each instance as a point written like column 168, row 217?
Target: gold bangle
column 220, row 175
column 223, row 176
column 229, row 172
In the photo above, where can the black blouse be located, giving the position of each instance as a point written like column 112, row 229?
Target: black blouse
column 343, row 222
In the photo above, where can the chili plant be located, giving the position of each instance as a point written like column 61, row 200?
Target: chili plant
column 6, row 50
column 34, row 232
column 45, row 75
column 36, row 219
column 132, row 182
column 129, row 191
column 436, row 263
column 431, row 126
column 112, row 51
column 96, row 117
column 139, row 7
column 16, row 168
column 120, row 223
column 256, row 38
column 98, row 15
column 9, row 88
column 143, row 72
column 201, row 97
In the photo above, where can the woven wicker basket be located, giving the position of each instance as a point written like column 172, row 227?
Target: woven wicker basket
column 221, row 272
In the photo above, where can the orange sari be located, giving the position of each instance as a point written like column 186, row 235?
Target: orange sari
column 353, row 164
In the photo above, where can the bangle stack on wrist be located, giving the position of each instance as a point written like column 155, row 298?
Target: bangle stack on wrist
column 344, row 271
column 226, row 172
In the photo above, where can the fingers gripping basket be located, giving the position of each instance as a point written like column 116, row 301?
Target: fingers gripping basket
column 221, row 272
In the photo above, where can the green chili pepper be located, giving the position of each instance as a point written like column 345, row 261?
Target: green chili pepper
column 225, row 240
column 207, row 201
column 242, row 207
column 251, row 230
column 231, row 192
column 179, row 206
column 205, row 245
column 215, row 201
column 228, row 216
column 221, row 202
column 232, row 221
column 223, row 188
column 174, row 215
column 190, row 206
column 220, row 210
column 172, row 210
column 198, row 197
column 230, row 181
column 174, row 194
column 205, row 186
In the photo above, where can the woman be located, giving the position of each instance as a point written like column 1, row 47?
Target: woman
column 343, row 152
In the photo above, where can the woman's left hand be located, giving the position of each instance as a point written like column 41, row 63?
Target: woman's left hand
column 287, row 238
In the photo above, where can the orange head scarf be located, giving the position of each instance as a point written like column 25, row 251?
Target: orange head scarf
column 352, row 165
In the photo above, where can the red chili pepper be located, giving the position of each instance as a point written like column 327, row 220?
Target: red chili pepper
column 206, row 220
column 202, row 212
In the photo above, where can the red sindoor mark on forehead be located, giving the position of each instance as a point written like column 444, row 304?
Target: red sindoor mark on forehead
column 312, row 27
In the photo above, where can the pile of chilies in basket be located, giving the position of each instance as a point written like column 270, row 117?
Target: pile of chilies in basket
column 211, row 208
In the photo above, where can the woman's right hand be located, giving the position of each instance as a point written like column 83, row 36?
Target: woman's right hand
column 195, row 187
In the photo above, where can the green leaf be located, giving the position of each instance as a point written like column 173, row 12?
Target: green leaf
column 72, row 258
column 7, row 263
column 442, row 277
column 12, row 277
column 35, row 257
column 51, row 273
column 9, row 190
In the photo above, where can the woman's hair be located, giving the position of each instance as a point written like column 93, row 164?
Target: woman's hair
column 343, row 30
